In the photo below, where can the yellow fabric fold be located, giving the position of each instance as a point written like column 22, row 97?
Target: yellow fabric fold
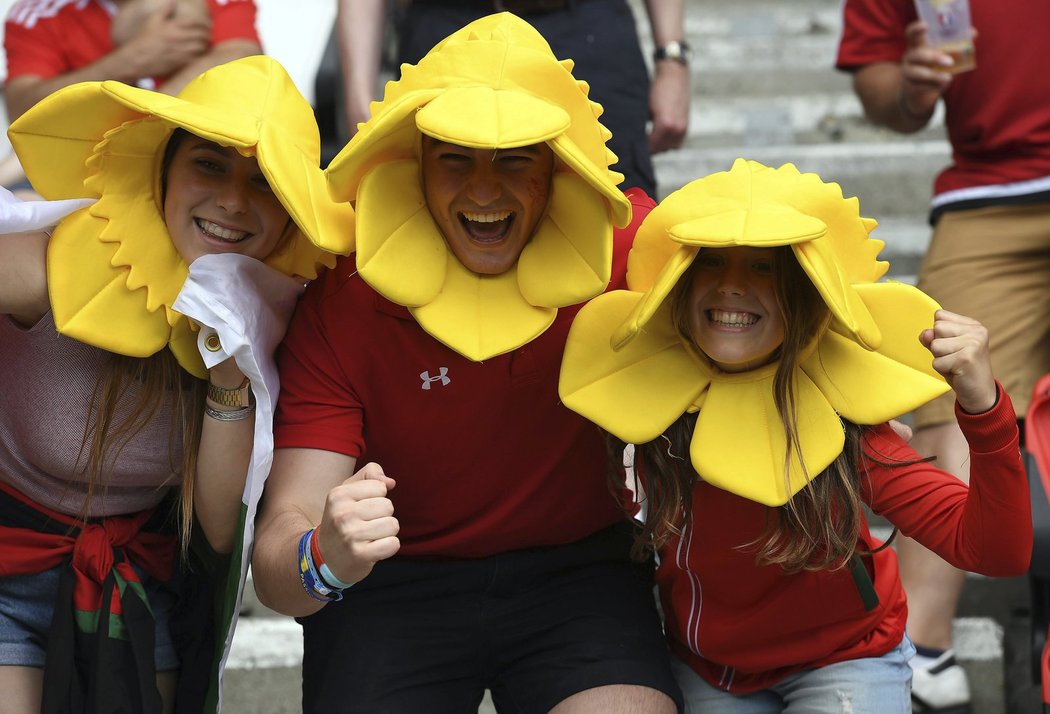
column 482, row 316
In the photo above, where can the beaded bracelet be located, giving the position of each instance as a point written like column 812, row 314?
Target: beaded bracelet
column 312, row 582
column 327, row 575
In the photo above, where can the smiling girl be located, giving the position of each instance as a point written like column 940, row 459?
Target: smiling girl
column 115, row 440
column 758, row 359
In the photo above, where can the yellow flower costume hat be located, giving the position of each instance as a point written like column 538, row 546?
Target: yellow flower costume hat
column 494, row 84
column 113, row 272
column 628, row 369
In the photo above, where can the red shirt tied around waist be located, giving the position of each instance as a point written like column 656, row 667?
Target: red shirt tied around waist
column 98, row 585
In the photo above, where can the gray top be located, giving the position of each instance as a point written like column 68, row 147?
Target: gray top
column 46, row 386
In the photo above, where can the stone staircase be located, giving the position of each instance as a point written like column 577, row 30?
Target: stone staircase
column 764, row 88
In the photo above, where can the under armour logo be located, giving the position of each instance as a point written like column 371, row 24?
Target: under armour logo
column 442, row 377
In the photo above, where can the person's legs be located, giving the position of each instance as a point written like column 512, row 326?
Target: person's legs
column 933, row 586
column 25, row 616
column 574, row 628
column 701, row 698
column 23, row 688
column 988, row 264
column 872, row 685
column 166, row 682
column 617, row 699
column 405, row 639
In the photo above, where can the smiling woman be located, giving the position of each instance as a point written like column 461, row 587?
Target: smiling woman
column 135, row 437
column 217, row 201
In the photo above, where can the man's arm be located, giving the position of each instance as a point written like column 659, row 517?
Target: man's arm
column 356, row 527
column 902, row 95
column 669, row 94
column 361, row 26
column 163, row 45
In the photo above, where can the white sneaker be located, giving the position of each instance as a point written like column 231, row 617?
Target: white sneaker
column 941, row 687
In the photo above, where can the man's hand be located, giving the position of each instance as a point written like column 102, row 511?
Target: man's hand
column 925, row 73
column 358, row 527
column 959, row 345
column 668, row 106
column 167, row 41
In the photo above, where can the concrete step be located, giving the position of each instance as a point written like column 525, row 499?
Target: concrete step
column 891, row 179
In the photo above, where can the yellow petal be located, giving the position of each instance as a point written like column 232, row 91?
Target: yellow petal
column 400, row 250
column 739, row 445
column 634, row 393
column 482, row 316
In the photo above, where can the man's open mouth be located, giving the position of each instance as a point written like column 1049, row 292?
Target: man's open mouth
column 488, row 227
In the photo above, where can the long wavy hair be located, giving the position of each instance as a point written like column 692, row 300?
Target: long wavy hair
column 819, row 527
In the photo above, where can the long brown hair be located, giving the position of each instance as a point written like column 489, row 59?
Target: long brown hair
column 129, row 394
column 819, row 527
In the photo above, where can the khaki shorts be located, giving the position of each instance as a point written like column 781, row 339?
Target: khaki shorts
column 993, row 264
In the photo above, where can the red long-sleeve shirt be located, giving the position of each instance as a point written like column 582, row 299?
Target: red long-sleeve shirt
column 743, row 627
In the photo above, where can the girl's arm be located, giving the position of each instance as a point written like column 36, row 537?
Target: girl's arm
column 222, row 463
column 987, row 527
column 23, row 277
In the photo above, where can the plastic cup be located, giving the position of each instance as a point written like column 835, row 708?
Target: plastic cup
column 948, row 29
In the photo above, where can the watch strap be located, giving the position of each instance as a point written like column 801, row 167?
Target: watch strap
column 237, row 397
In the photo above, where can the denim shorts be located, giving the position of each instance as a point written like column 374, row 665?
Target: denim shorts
column 870, row 685
column 27, row 605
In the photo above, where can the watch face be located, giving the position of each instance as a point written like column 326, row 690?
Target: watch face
column 675, row 50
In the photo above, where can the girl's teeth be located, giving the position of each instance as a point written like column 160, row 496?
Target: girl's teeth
column 225, row 234
column 733, row 319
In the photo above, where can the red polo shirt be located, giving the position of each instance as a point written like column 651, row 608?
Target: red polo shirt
column 486, row 457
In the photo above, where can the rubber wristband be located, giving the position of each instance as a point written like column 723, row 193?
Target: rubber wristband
column 310, row 578
column 326, row 573
column 329, row 577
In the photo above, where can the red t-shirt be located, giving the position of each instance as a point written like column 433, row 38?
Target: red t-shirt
column 47, row 38
column 744, row 627
column 998, row 115
column 485, row 456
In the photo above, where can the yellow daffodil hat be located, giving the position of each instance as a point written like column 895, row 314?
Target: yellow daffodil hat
column 113, row 271
column 629, row 370
column 494, row 84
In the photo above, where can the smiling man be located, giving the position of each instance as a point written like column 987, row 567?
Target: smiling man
column 481, row 547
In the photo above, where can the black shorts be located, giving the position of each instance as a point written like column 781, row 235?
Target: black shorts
column 533, row 626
